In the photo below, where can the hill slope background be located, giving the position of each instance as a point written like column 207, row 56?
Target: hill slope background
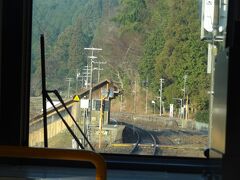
column 142, row 41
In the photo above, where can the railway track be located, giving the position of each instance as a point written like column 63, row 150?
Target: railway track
column 143, row 141
column 139, row 141
column 146, row 143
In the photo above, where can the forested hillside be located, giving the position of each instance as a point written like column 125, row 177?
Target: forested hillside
column 68, row 26
column 142, row 41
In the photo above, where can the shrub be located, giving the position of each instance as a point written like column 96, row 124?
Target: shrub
column 202, row 116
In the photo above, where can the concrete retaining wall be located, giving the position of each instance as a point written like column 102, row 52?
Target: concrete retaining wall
column 55, row 125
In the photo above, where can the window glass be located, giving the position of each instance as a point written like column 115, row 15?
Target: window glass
column 135, row 75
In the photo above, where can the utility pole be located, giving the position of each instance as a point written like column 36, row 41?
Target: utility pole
column 160, row 100
column 99, row 69
column 153, row 102
column 146, row 98
column 146, row 103
column 69, row 85
column 121, row 103
column 186, row 117
column 77, row 76
column 181, row 104
column 212, row 56
column 87, row 75
column 82, row 79
column 184, row 95
column 135, row 95
column 90, row 90
column 163, row 107
column 82, row 82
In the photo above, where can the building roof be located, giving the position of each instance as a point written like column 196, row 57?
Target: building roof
column 81, row 94
column 99, row 85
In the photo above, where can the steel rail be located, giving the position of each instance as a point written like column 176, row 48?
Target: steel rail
column 154, row 143
column 136, row 145
column 139, row 139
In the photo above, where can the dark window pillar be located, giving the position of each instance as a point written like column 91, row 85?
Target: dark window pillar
column 14, row 71
column 231, row 157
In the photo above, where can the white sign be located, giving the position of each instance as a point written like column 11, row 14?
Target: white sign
column 171, row 110
column 208, row 15
column 84, row 103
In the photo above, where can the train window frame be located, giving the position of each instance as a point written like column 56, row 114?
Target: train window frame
column 143, row 162
column 1, row 29
column 230, row 160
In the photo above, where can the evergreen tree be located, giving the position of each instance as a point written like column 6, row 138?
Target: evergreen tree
column 151, row 39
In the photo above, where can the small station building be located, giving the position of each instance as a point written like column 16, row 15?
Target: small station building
column 101, row 96
column 95, row 119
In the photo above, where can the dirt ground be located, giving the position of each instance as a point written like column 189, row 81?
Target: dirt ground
column 183, row 143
